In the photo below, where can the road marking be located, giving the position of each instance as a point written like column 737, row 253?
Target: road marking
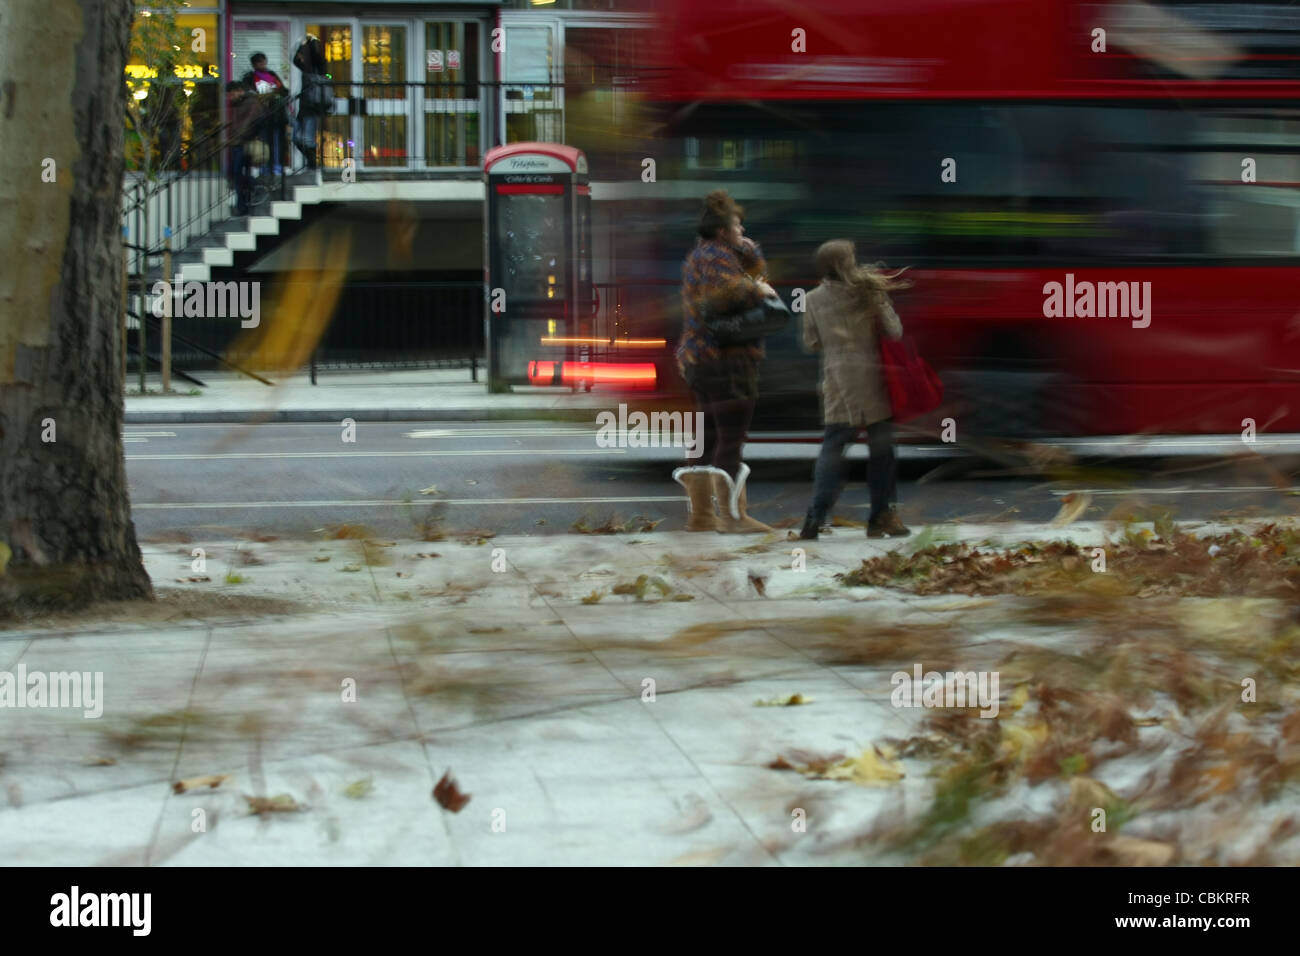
column 387, row 503
column 446, row 453
column 1170, row 491
column 499, row 432
column 130, row 435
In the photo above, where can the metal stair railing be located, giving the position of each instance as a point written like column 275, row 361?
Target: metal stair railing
column 185, row 206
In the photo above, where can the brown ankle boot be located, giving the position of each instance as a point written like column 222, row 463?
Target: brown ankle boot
column 698, row 482
column 887, row 525
column 732, row 518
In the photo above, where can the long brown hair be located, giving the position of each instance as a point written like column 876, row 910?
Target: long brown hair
column 838, row 260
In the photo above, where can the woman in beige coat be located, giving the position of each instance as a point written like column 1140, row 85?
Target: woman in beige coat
column 844, row 316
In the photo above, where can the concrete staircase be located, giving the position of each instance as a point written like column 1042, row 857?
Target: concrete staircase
column 217, row 248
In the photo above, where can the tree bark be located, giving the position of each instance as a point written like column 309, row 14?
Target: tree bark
column 64, row 508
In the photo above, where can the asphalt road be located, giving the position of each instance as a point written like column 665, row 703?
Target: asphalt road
column 541, row 478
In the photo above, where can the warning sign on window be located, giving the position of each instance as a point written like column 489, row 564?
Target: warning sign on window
column 433, row 61
column 453, row 59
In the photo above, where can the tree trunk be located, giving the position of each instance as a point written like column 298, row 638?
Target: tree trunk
column 64, row 510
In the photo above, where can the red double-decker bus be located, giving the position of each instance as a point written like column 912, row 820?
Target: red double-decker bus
column 1100, row 202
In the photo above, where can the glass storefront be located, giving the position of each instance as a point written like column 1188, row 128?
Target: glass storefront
column 411, row 92
column 177, row 97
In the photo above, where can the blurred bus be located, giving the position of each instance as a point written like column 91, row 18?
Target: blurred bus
column 997, row 146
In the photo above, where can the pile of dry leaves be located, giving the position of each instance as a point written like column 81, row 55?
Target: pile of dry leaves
column 1261, row 563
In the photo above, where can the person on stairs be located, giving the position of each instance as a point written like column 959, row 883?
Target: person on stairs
column 845, row 315
column 315, row 98
column 723, row 274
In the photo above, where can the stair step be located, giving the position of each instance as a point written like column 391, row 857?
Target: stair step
column 233, row 224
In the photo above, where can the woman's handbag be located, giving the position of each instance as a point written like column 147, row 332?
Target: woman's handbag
column 257, row 152
column 914, row 388
column 748, row 326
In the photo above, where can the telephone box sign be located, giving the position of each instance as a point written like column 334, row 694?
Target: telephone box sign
column 529, row 163
column 535, row 158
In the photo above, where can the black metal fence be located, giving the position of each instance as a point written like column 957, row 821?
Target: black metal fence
column 376, row 324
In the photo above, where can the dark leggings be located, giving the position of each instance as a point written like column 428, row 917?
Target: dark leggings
column 882, row 468
column 726, row 426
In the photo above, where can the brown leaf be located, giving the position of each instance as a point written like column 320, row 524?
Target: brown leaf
column 194, row 783
column 280, row 803
column 1130, row 851
column 448, row 794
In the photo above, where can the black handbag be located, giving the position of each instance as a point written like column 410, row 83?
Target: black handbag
column 748, row 326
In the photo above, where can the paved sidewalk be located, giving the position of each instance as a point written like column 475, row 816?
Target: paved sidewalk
column 596, row 716
column 415, row 395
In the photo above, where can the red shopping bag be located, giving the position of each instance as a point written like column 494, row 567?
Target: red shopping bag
column 914, row 388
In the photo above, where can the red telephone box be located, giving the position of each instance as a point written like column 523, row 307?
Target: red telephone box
column 537, row 263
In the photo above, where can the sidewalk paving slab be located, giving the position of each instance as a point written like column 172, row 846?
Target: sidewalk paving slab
column 537, row 703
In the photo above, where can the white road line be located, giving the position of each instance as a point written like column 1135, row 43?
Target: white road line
column 384, row 503
column 1169, row 491
column 447, row 453
column 129, row 435
column 498, row 432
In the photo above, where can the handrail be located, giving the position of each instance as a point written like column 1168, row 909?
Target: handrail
column 194, row 200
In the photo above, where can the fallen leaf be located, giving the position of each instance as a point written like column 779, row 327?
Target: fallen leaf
column 1131, row 851
column 350, row 567
column 358, row 789
column 448, row 794
column 760, row 583
column 431, row 490
column 101, row 762
column 867, row 769
column 194, row 783
column 1072, row 506
column 787, row 700
column 281, row 803
column 321, row 558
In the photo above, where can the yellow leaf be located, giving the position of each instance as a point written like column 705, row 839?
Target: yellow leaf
column 867, row 769
column 1019, row 741
column 1018, row 698
column 5, row 555
column 1072, row 506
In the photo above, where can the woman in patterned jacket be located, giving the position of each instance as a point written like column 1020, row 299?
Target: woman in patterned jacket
column 722, row 274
